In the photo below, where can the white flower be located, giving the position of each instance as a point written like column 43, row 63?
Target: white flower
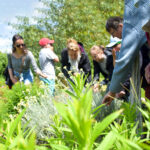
column 60, row 75
column 65, row 67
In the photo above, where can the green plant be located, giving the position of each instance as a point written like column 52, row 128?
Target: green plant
column 13, row 137
column 3, row 62
column 3, row 111
column 39, row 111
column 146, row 116
column 19, row 92
column 126, row 136
column 77, row 116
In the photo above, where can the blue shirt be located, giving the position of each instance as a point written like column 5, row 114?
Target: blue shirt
column 136, row 15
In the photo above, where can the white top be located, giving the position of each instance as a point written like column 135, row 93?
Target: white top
column 103, row 65
column 46, row 60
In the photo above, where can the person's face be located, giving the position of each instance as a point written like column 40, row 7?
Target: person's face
column 50, row 46
column 98, row 56
column 19, row 44
column 117, row 47
column 73, row 54
column 117, row 32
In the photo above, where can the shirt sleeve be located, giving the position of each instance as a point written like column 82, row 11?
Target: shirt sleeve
column 9, row 61
column 51, row 55
column 131, row 45
column 33, row 62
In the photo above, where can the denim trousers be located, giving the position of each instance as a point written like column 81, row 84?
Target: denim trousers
column 25, row 76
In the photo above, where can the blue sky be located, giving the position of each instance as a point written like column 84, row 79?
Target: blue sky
column 9, row 9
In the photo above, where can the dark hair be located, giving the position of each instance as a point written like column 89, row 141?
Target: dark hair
column 113, row 23
column 14, row 39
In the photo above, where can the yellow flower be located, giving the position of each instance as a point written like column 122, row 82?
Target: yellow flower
column 60, row 75
column 69, row 72
column 104, row 87
column 65, row 67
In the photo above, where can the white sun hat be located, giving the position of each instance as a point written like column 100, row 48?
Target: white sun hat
column 113, row 42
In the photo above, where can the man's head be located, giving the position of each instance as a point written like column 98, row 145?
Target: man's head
column 73, row 49
column 46, row 43
column 97, row 53
column 114, row 26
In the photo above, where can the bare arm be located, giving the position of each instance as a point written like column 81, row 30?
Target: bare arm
column 56, row 59
column 13, row 79
column 39, row 72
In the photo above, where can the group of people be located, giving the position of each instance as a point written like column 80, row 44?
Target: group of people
column 114, row 61
column 21, row 59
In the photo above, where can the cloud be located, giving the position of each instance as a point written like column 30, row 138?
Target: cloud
column 36, row 13
column 5, row 45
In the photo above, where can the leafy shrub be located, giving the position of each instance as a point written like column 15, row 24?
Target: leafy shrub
column 40, row 111
column 19, row 92
column 13, row 137
column 38, row 114
column 78, row 120
column 3, row 62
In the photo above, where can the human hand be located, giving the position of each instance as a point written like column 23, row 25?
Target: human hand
column 108, row 98
column 96, row 87
column 14, row 80
column 147, row 73
column 120, row 94
column 45, row 76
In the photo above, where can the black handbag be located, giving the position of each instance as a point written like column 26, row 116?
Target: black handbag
column 7, row 77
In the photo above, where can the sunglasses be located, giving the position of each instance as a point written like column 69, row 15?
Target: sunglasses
column 19, row 45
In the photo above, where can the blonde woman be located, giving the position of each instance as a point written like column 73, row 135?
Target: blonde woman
column 73, row 60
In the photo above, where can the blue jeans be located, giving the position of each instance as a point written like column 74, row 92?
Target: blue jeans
column 25, row 76
column 50, row 83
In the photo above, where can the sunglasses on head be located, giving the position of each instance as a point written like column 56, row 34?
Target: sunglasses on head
column 19, row 45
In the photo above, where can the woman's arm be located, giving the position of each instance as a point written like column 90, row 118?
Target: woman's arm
column 39, row 72
column 35, row 67
column 13, row 79
column 10, row 70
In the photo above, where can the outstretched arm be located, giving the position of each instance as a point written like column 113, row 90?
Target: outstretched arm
column 132, row 40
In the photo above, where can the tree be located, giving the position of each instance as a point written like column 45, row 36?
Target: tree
column 62, row 19
column 82, row 20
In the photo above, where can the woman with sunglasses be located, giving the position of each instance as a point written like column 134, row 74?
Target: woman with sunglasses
column 19, row 62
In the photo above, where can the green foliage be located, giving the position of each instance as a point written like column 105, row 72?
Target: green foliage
column 82, row 20
column 62, row 19
column 78, row 117
column 130, row 112
column 18, row 92
column 31, row 34
column 13, row 137
column 73, row 127
column 146, row 115
column 39, row 111
column 3, row 62
column 3, row 111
